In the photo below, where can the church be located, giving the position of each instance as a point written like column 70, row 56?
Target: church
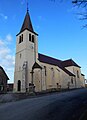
column 37, row 72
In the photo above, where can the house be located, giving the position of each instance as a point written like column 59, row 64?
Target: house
column 3, row 80
column 10, row 87
column 38, row 72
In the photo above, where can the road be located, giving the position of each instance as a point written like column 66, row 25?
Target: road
column 58, row 106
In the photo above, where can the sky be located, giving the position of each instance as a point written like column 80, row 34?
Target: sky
column 61, row 34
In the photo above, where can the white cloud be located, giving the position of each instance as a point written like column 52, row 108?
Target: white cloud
column 8, row 63
column 3, row 16
column 1, row 43
column 7, row 58
column 4, row 51
column 9, row 37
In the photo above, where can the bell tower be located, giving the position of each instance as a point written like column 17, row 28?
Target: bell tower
column 26, row 54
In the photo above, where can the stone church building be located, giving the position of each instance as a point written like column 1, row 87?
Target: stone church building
column 38, row 72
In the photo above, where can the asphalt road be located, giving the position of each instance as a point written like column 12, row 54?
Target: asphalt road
column 58, row 106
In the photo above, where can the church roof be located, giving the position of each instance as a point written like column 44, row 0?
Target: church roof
column 27, row 24
column 36, row 65
column 69, row 62
column 49, row 60
column 53, row 61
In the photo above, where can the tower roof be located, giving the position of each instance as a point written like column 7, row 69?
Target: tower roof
column 27, row 24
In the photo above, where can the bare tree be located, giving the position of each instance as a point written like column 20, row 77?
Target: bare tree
column 82, row 6
column 80, row 3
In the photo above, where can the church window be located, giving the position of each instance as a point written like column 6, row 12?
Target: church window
column 29, row 37
column 33, row 38
column 52, row 71
column 72, row 80
column 77, row 74
column 20, row 55
column 45, row 70
column 21, row 38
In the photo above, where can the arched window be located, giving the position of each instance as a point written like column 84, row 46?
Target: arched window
column 29, row 37
column 33, row 38
column 52, row 71
column 20, row 55
column 21, row 38
column 77, row 74
column 19, row 85
column 72, row 80
column 45, row 70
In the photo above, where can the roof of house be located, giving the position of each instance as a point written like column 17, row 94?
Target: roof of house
column 2, row 71
column 69, row 62
column 53, row 61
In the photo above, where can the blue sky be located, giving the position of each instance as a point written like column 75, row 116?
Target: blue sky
column 60, row 31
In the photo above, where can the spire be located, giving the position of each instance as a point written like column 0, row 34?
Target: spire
column 27, row 24
column 27, row 6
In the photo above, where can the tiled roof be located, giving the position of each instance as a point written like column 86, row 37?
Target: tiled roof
column 3, row 72
column 53, row 61
column 27, row 23
column 69, row 62
column 49, row 60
